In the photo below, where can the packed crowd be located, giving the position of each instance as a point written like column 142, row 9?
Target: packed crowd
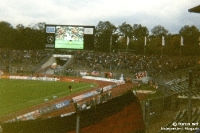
column 135, row 63
column 128, row 62
column 21, row 59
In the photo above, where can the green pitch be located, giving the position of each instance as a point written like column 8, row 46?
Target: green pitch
column 73, row 44
column 16, row 95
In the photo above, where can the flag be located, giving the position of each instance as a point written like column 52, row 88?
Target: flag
column 145, row 41
column 127, row 40
column 181, row 41
column 163, row 41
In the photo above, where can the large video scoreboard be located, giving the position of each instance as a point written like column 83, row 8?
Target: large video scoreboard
column 69, row 37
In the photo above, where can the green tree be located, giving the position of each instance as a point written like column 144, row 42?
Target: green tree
column 159, row 31
column 155, row 44
column 20, row 27
column 139, row 33
column 31, row 37
column 39, row 26
column 6, row 35
column 190, row 36
column 173, row 46
column 104, row 31
column 125, row 30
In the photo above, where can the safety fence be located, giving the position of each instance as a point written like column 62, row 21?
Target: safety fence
column 175, row 87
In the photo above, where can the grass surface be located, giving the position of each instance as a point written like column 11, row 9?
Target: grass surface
column 16, row 95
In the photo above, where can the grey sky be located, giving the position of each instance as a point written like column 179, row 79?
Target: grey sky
column 172, row 14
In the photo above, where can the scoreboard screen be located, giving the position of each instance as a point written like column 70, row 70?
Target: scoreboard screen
column 69, row 37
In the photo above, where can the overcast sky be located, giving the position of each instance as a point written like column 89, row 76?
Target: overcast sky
column 172, row 14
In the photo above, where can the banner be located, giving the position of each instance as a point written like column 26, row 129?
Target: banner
column 163, row 41
column 89, row 94
column 62, row 104
column 127, row 40
column 29, row 116
column 181, row 41
column 145, row 41
column 47, row 109
column 83, row 73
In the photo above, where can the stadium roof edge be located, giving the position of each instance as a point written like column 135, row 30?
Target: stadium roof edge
column 195, row 9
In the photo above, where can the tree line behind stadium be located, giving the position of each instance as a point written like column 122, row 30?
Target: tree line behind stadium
column 110, row 38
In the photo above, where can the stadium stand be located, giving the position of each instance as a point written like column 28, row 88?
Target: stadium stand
column 170, row 74
column 32, row 60
column 181, row 119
